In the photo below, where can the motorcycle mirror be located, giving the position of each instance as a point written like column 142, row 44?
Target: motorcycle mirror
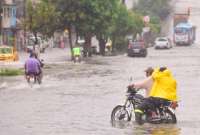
column 131, row 79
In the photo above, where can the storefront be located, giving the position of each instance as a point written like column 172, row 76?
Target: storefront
column 8, row 23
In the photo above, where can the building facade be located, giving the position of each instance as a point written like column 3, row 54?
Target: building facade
column 8, row 22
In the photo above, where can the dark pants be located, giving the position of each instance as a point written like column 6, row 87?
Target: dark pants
column 32, row 73
column 152, row 103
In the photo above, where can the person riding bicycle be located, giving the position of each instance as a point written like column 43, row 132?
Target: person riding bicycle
column 163, row 90
column 32, row 65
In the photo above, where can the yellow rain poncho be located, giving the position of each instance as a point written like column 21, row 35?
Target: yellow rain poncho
column 164, row 85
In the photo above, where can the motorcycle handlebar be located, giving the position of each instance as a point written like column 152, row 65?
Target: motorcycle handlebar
column 131, row 89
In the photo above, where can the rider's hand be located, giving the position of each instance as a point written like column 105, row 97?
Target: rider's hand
column 131, row 86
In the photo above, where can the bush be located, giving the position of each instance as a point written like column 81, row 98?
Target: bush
column 11, row 72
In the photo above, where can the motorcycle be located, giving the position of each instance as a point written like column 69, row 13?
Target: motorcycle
column 123, row 113
column 36, row 78
column 77, row 58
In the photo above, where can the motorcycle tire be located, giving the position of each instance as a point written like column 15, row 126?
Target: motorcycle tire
column 119, row 113
column 171, row 117
column 39, row 80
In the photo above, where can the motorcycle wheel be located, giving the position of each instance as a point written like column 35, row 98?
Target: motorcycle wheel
column 39, row 80
column 170, row 117
column 28, row 79
column 119, row 113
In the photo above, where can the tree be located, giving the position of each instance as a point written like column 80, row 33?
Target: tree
column 70, row 12
column 100, row 18
column 41, row 18
column 126, row 23
column 105, row 13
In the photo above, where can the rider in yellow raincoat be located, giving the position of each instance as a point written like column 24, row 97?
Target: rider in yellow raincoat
column 162, row 91
column 164, row 85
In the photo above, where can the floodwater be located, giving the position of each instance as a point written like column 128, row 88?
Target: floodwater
column 77, row 99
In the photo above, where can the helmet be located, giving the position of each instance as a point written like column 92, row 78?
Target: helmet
column 33, row 54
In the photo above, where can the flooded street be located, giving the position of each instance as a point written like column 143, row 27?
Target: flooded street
column 77, row 99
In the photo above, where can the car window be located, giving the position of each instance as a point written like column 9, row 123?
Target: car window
column 161, row 39
column 136, row 43
column 5, row 50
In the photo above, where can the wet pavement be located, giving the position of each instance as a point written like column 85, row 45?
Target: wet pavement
column 77, row 99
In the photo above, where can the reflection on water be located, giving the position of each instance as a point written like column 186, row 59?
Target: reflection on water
column 150, row 129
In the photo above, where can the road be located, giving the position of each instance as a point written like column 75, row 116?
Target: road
column 77, row 99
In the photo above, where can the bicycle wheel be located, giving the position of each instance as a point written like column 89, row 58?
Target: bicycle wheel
column 119, row 113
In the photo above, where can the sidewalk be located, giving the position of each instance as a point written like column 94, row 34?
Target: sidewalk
column 51, row 56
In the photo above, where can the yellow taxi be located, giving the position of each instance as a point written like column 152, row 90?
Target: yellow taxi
column 7, row 53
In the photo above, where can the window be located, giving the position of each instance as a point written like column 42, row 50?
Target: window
column 162, row 39
column 5, row 50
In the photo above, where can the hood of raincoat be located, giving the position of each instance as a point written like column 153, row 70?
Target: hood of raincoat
column 164, row 85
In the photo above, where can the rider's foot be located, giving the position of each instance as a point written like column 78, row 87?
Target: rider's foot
column 138, row 118
column 154, row 116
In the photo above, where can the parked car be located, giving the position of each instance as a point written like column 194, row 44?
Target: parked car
column 137, row 48
column 163, row 43
column 7, row 53
column 41, row 43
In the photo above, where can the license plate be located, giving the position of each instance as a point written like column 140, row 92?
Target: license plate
column 136, row 50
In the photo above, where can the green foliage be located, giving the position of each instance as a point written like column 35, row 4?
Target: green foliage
column 156, row 9
column 103, row 18
column 41, row 17
column 10, row 72
column 155, row 24
column 126, row 23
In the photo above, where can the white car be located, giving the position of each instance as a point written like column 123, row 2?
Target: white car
column 163, row 43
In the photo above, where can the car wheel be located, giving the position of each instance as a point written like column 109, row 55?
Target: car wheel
column 129, row 55
column 144, row 54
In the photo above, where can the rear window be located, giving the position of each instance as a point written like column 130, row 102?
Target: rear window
column 137, row 43
column 161, row 39
column 181, row 30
